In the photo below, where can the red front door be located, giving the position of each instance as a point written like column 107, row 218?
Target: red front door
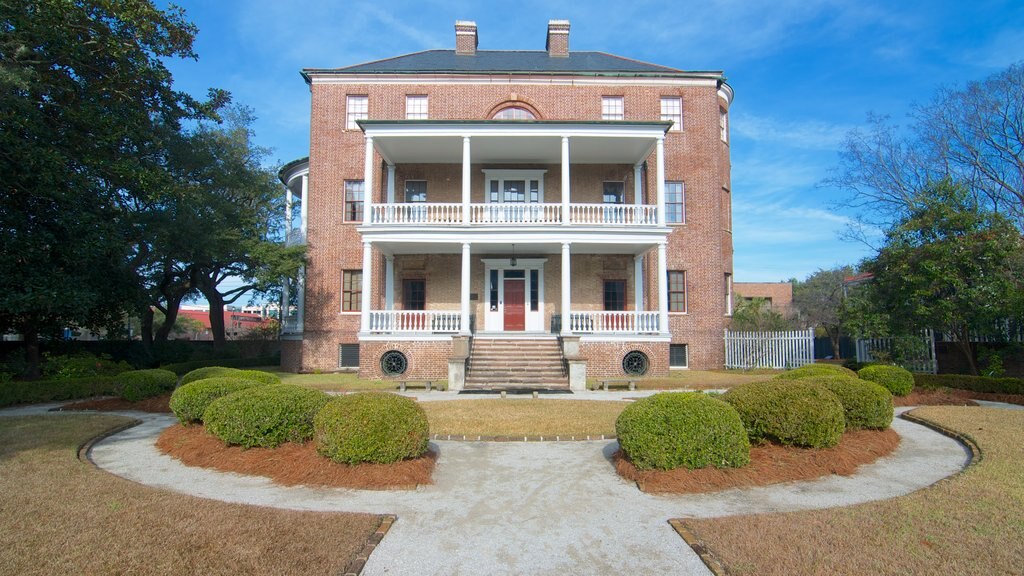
column 515, row 312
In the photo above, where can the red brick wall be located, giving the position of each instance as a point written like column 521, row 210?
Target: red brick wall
column 291, row 355
column 427, row 360
column 604, row 359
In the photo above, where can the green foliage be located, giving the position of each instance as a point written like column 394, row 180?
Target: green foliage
column 207, row 372
column 670, row 430
column 81, row 365
column 816, row 370
column 865, row 404
column 139, row 384
column 897, row 380
column 992, row 361
column 973, row 383
column 789, row 412
column 820, row 301
column 756, row 315
column 34, row 391
column 265, row 416
column 259, row 376
column 191, row 400
column 371, row 427
column 182, row 368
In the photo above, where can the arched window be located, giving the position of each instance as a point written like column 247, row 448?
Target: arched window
column 514, row 113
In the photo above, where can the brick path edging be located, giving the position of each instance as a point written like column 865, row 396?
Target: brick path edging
column 358, row 562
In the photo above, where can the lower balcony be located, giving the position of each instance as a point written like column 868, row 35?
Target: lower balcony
column 626, row 322
column 415, row 321
column 529, row 214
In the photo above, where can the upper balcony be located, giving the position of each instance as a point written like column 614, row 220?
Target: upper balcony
column 507, row 174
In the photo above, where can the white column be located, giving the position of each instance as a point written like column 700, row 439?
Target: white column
column 565, row 182
column 467, row 180
column 661, row 181
column 300, row 308
column 368, row 184
column 464, row 298
column 285, row 300
column 638, row 186
column 389, row 282
column 566, row 289
column 638, row 282
column 364, row 309
column 391, row 183
column 662, row 289
column 288, row 201
column 303, row 208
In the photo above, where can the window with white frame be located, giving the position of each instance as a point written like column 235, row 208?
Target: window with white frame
column 672, row 111
column 514, row 113
column 356, row 108
column 678, row 356
column 728, row 294
column 416, row 107
column 415, row 190
column 723, row 124
column 612, row 108
column 351, row 290
column 614, row 192
column 504, row 186
column 675, row 203
column 354, row 190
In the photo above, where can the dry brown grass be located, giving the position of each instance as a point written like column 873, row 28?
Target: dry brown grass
column 529, row 417
column 59, row 515
column 769, row 464
column 969, row 524
column 291, row 464
column 705, row 379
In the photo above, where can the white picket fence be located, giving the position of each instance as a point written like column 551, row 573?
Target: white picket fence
column 778, row 350
column 925, row 361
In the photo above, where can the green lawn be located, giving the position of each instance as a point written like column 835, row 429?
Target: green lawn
column 330, row 382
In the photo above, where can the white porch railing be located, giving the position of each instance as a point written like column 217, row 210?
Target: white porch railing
column 614, row 214
column 777, row 350
column 515, row 213
column 290, row 324
column 613, row 322
column 415, row 321
column 417, row 213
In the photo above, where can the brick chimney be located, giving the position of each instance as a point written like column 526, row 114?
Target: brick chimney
column 465, row 37
column 558, row 39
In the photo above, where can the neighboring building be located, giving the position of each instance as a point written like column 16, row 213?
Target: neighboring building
column 778, row 296
column 512, row 209
column 236, row 324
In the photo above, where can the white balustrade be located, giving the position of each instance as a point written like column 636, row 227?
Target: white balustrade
column 415, row 321
column 290, row 324
column 417, row 213
column 515, row 213
column 614, row 322
column 613, row 214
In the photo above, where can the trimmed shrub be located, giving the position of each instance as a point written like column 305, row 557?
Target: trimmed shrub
column 139, row 384
column 672, row 429
column 371, row 427
column 209, row 372
column 191, row 400
column 865, row 404
column 816, row 370
column 34, row 391
column 265, row 416
column 185, row 367
column 986, row 384
column 899, row 381
column 789, row 412
column 81, row 365
column 259, row 376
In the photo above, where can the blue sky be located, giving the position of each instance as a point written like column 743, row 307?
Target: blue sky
column 804, row 72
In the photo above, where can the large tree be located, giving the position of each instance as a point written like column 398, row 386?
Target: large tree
column 820, row 300
column 85, row 106
column 973, row 134
column 951, row 265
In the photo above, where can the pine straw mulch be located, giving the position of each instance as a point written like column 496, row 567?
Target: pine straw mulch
column 292, row 464
column 769, row 464
column 939, row 397
column 156, row 405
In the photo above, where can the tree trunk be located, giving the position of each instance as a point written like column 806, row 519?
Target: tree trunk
column 963, row 342
column 216, row 301
column 31, row 336
column 170, row 316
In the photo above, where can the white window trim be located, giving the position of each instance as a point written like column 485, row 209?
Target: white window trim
column 502, row 175
column 686, row 294
column 683, row 221
column 687, row 349
column 723, row 124
column 676, row 124
column 350, row 121
column 621, row 101
column 409, row 99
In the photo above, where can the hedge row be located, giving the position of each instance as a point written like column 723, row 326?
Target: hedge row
column 898, row 380
column 140, row 384
column 190, row 401
column 816, row 370
column 972, row 383
column 182, row 368
column 218, row 371
column 865, row 404
column 792, row 412
column 35, row 391
column 371, row 427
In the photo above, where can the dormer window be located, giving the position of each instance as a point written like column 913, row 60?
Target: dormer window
column 514, row 113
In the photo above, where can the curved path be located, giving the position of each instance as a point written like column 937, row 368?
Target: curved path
column 537, row 507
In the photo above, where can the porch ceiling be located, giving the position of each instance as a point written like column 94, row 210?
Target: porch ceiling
column 522, row 249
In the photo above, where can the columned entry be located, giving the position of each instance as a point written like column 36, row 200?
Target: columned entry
column 514, row 295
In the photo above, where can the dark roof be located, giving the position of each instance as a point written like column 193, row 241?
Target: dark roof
column 284, row 169
column 509, row 62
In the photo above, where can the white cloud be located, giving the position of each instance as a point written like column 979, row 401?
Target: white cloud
column 810, row 134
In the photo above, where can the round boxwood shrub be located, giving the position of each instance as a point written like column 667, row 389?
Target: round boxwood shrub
column 898, row 380
column 191, row 400
column 816, row 370
column 371, row 427
column 208, row 372
column 139, row 384
column 265, row 416
column 789, row 412
column 672, row 429
column 259, row 376
column 865, row 404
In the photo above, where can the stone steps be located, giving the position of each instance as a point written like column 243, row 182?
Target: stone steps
column 516, row 363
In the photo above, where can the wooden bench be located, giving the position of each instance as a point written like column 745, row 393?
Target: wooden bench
column 618, row 383
column 427, row 385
